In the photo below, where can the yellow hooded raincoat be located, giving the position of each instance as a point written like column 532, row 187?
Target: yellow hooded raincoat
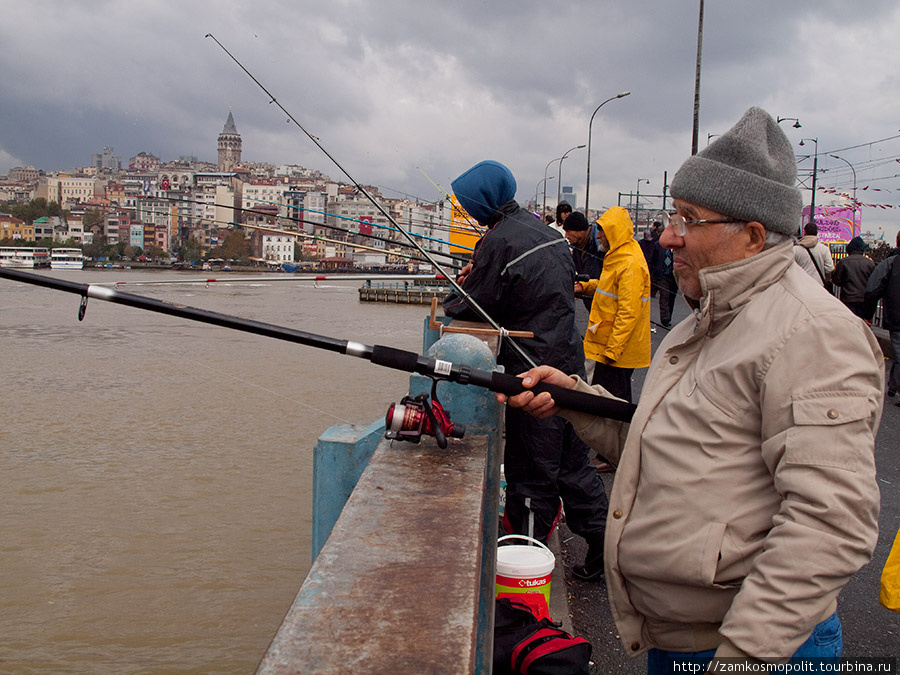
column 618, row 330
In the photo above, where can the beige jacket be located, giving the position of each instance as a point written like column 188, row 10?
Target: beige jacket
column 745, row 496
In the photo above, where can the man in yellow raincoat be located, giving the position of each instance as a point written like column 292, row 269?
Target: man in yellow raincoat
column 618, row 332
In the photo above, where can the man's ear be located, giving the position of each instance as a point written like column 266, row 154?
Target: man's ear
column 756, row 237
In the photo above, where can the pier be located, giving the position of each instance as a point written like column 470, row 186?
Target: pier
column 402, row 292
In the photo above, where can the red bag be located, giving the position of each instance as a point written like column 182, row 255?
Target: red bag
column 523, row 645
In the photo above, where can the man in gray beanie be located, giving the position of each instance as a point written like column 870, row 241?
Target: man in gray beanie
column 745, row 496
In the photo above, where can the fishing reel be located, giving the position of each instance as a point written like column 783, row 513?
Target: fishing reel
column 415, row 416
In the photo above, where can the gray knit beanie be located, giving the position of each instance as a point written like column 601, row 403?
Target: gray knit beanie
column 749, row 173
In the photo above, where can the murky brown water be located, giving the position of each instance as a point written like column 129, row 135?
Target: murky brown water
column 156, row 472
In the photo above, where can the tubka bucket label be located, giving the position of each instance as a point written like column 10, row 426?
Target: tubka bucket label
column 523, row 583
column 515, row 585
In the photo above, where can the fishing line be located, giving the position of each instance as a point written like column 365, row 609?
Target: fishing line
column 303, row 235
column 388, row 357
column 303, row 221
column 219, row 373
column 457, row 287
column 418, row 221
column 455, row 205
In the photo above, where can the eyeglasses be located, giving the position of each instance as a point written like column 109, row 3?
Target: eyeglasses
column 679, row 223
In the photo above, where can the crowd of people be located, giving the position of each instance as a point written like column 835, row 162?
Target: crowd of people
column 744, row 495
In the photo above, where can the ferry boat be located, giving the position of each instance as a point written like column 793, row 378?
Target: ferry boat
column 66, row 259
column 24, row 256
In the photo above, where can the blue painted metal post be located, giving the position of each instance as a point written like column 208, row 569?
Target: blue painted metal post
column 340, row 456
column 413, row 552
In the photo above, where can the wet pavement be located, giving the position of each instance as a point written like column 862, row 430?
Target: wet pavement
column 869, row 628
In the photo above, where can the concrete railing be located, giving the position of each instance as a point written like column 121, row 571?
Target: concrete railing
column 404, row 543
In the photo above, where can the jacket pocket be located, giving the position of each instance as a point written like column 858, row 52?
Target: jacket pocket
column 826, row 425
column 709, row 556
column 715, row 397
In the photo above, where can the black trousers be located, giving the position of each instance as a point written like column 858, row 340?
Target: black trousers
column 546, row 462
column 617, row 381
column 668, row 292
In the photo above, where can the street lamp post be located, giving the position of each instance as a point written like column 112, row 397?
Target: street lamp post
column 812, row 204
column 637, row 199
column 796, row 123
column 587, row 186
column 537, row 189
column 546, row 168
column 854, row 185
column 559, row 180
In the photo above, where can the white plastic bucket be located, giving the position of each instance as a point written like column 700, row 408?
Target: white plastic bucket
column 524, row 569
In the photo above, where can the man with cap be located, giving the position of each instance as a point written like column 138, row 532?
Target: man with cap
column 522, row 275
column 851, row 274
column 586, row 253
column 745, row 496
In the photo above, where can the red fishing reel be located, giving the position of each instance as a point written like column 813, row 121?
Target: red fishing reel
column 415, row 416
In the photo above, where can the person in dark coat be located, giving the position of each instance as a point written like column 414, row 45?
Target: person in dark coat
column 523, row 276
column 884, row 284
column 662, row 276
column 851, row 274
column 586, row 253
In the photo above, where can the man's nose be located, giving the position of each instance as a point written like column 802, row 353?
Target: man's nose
column 668, row 238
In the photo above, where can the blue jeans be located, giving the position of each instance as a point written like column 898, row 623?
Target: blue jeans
column 825, row 642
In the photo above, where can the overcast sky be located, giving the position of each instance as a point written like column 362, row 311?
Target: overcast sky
column 396, row 88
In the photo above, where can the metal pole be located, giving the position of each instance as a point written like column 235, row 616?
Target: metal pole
column 537, row 189
column 587, row 186
column 694, row 139
column 812, row 203
column 559, row 178
column 854, row 186
column 546, row 168
column 637, row 200
column 665, row 187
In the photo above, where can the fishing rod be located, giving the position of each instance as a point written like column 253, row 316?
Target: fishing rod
column 388, row 357
column 456, row 286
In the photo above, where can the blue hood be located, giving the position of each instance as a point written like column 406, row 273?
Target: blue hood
column 483, row 189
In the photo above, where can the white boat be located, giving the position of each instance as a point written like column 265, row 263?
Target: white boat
column 66, row 259
column 24, row 256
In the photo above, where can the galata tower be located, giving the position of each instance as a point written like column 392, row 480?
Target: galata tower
column 229, row 146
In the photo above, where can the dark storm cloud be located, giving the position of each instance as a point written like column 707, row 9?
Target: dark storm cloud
column 397, row 87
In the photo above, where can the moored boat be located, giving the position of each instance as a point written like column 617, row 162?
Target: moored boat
column 24, row 256
column 66, row 259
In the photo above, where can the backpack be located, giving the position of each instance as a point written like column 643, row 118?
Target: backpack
column 525, row 646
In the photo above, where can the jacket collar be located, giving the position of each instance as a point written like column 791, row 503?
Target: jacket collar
column 729, row 287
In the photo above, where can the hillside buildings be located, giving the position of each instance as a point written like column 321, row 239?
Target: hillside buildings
column 284, row 212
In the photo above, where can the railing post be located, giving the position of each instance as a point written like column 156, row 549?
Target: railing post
column 405, row 580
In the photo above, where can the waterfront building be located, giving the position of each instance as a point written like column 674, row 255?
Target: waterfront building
column 277, row 247
column 12, row 228
column 66, row 190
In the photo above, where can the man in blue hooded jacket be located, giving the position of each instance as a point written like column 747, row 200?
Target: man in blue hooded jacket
column 522, row 275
